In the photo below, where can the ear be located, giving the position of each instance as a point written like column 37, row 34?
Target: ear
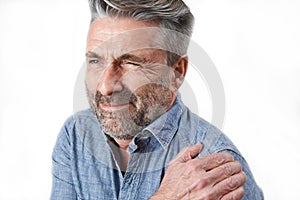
column 180, row 68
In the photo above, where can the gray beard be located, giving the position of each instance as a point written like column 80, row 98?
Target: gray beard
column 118, row 125
column 147, row 104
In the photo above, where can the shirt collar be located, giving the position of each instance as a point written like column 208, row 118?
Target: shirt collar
column 165, row 126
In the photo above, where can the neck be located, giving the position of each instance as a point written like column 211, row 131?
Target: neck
column 123, row 144
column 120, row 153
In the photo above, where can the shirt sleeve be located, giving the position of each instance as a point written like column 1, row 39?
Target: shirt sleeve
column 215, row 141
column 62, row 182
column 252, row 190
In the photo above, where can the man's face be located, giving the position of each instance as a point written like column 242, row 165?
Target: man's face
column 128, row 82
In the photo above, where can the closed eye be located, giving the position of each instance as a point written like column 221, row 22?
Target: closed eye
column 130, row 65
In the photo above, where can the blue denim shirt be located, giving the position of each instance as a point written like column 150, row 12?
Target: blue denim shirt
column 84, row 166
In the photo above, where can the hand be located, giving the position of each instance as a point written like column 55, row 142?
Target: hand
column 214, row 177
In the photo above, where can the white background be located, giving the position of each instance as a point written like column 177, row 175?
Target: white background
column 255, row 46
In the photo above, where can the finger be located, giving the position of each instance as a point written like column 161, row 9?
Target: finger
column 235, row 194
column 230, row 184
column 212, row 161
column 189, row 190
column 188, row 153
column 193, row 193
column 224, row 171
column 215, row 187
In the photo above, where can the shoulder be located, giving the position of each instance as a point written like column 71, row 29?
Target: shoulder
column 195, row 129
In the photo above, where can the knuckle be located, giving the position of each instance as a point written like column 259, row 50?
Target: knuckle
column 203, row 182
column 223, row 157
column 236, row 167
column 192, row 166
column 202, row 163
column 232, row 183
column 219, row 159
column 228, row 156
column 241, row 177
column 227, row 170
column 186, row 157
column 236, row 181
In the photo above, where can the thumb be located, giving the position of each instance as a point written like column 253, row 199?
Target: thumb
column 189, row 153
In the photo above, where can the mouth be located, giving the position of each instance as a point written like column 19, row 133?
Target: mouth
column 113, row 107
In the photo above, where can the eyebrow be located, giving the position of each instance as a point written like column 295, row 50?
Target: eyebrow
column 91, row 54
column 127, row 56
column 133, row 58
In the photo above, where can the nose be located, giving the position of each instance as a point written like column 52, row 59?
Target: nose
column 109, row 81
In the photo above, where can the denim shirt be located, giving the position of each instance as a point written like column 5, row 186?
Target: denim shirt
column 84, row 166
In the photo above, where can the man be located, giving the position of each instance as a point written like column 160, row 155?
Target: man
column 138, row 140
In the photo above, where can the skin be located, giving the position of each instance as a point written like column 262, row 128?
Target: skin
column 128, row 87
column 134, row 85
column 214, row 177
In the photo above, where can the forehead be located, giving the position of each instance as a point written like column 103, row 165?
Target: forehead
column 120, row 33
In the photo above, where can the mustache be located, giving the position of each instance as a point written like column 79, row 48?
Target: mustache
column 123, row 97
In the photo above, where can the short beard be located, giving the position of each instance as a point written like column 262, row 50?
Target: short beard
column 145, row 105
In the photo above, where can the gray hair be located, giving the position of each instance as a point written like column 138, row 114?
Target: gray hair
column 172, row 15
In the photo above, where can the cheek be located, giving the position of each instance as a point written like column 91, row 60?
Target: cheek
column 153, row 94
column 91, row 80
column 135, row 79
column 145, row 76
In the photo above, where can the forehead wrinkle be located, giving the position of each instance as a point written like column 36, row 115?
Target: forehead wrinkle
column 105, row 41
column 100, row 37
column 106, row 29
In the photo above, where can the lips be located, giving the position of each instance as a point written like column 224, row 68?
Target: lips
column 113, row 107
column 116, row 102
